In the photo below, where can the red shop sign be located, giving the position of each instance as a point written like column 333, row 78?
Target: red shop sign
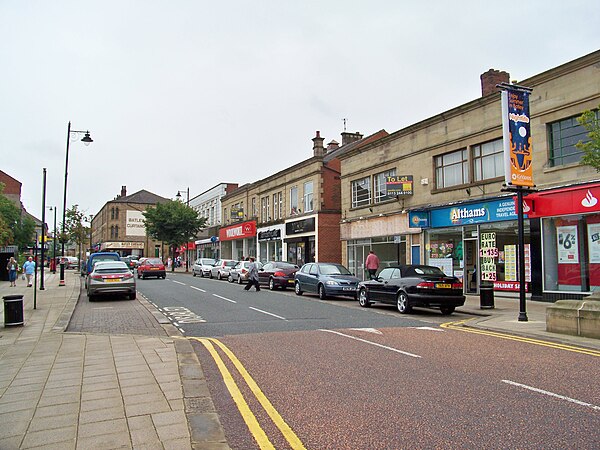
column 560, row 202
column 239, row 231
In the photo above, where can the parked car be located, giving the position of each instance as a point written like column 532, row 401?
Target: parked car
column 277, row 274
column 129, row 261
column 221, row 268
column 203, row 266
column 152, row 267
column 71, row 262
column 325, row 279
column 413, row 285
column 100, row 256
column 239, row 273
column 111, row 277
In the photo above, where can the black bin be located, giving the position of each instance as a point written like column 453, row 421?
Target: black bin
column 486, row 295
column 13, row 310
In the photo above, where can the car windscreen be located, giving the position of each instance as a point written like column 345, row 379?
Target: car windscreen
column 104, row 258
column 284, row 265
column 230, row 263
column 334, row 269
column 422, row 270
column 207, row 262
column 153, row 261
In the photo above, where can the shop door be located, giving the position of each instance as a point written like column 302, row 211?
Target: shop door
column 471, row 271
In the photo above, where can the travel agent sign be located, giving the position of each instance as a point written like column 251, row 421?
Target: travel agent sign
column 464, row 214
column 516, row 132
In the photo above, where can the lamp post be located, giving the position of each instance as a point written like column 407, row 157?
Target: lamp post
column 53, row 261
column 42, row 287
column 87, row 140
column 187, row 191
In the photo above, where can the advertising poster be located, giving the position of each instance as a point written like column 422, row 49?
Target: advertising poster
column 517, row 138
column 135, row 225
column 510, row 262
column 594, row 242
column 568, row 251
column 487, row 256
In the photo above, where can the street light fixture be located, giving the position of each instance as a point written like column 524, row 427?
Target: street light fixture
column 187, row 192
column 87, row 140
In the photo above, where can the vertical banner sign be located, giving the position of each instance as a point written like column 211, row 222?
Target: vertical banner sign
column 516, row 130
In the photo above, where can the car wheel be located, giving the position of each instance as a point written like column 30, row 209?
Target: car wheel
column 297, row 289
column 91, row 297
column 271, row 284
column 139, row 275
column 210, row 275
column 363, row 299
column 143, row 276
column 447, row 310
column 240, row 281
column 164, row 276
column 193, row 273
column 202, row 274
column 132, row 296
column 230, row 279
column 322, row 294
column 402, row 303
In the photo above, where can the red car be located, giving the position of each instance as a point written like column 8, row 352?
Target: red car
column 152, row 267
column 277, row 274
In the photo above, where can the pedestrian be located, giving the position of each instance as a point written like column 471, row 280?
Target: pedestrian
column 13, row 268
column 29, row 270
column 372, row 264
column 252, row 276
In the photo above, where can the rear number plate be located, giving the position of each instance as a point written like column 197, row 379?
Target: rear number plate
column 112, row 280
column 443, row 286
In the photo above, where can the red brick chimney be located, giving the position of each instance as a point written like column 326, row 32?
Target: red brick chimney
column 333, row 145
column 123, row 191
column 490, row 79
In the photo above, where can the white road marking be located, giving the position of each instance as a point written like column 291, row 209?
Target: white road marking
column 266, row 312
column 427, row 328
column 198, row 289
column 372, row 343
column 179, row 282
column 552, row 394
column 367, row 330
column 224, row 298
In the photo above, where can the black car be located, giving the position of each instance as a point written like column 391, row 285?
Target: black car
column 413, row 285
column 325, row 279
column 277, row 274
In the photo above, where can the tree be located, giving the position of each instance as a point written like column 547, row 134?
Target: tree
column 591, row 149
column 174, row 223
column 15, row 228
column 75, row 230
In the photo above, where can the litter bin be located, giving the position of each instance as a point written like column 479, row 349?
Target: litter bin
column 13, row 310
column 486, row 295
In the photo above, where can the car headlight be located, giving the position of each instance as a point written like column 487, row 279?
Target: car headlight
column 332, row 283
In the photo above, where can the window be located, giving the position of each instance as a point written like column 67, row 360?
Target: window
column 488, row 160
column 379, row 187
column 277, row 206
column 117, row 229
column 254, row 212
column 264, row 209
column 112, row 232
column 308, row 196
column 451, row 169
column 361, row 192
column 294, row 200
column 116, row 213
column 563, row 136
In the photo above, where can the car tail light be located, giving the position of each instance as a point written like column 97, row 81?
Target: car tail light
column 426, row 285
column 127, row 276
column 244, row 271
column 96, row 277
column 457, row 286
column 279, row 274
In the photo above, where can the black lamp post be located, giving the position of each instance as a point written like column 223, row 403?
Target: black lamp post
column 42, row 287
column 87, row 140
column 53, row 264
column 187, row 191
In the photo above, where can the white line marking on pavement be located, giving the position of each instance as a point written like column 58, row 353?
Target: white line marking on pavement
column 367, row 330
column 179, row 282
column 228, row 299
column 372, row 343
column 427, row 328
column 552, row 394
column 266, row 312
column 198, row 289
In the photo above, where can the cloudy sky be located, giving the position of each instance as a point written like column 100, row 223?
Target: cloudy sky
column 191, row 93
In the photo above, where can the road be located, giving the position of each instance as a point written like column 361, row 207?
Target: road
column 296, row 372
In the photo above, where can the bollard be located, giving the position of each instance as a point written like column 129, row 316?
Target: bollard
column 13, row 310
column 486, row 295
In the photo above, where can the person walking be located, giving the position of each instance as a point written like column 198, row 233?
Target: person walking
column 252, row 276
column 372, row 264
column 12, row 267
column 29, row 270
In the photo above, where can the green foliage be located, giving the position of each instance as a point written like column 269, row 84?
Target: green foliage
column 591, row 149
column 75, row 231
column 15, row 228
column 173, row 222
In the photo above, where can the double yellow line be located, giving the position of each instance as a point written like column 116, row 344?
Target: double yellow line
column 248, row 416
column 459, row 325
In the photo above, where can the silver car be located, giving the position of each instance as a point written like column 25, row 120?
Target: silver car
column 203, row 266
column 111, row 277
column 220, row 270
column 239, row 273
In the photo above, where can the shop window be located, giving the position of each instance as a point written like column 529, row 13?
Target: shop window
column 488, row 160
column 308, row 196
column 361, row 192
column 379, row 186
column 451, row 169
column 563, row 135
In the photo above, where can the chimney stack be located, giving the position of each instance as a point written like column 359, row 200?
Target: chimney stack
column 333, row 145
column 123, row 191
column 490, row 79
column 318, row 149
column 347, row 138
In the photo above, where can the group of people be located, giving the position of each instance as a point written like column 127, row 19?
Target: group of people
column 13, row 271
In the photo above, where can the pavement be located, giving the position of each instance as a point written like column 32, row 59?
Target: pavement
column 113, row 389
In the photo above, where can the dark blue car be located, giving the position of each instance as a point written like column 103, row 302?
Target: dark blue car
column 326, row 279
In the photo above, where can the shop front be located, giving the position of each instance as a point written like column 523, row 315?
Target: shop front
column 208, row 248
column 570, row 224
column 123, row 248
column 300, row 239
column 238, row 241
column 477, row 242
column 270, row 243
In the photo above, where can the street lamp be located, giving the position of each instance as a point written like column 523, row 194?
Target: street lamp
column 87, row 140
column 53, row 263
column 187, row 192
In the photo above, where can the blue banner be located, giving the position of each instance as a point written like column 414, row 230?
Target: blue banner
column 464, row 214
